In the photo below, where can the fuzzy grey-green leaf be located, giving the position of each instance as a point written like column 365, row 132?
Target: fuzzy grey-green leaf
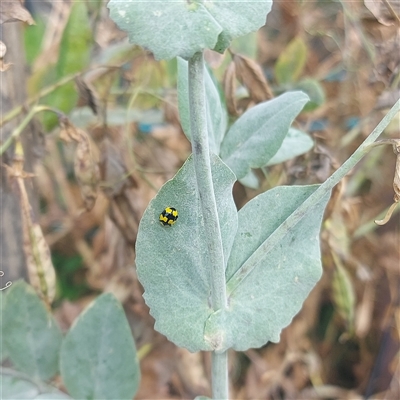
column 215, row 107
column 32, row 337
column 268, row 296
column 3, row 350
column 294, row 144
column 258, row 134
column 171, row 28
column 172, row 262
column 98, row 355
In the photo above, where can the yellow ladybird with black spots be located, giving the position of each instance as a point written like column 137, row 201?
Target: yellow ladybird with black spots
column 169, row 216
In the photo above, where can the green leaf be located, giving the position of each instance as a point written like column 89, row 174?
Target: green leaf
column 295, row 143
column 33, row 36
column 314, row 90
column 172, row 262
column 31, row 335
column 3, row 350
column 258, row 134
column 271, row 269
column 98, row 356
column 215, row 107
column 237, row 18
column 74, row 56
column 171, row 28
column 14, row 385
column 291, row 62
column 75, row 42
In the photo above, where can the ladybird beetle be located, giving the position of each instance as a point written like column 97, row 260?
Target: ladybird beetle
column 169, row 216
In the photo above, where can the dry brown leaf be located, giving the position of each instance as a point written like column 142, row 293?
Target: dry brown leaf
column 118, row 184
column 250, row 74
column 37, row 253
column 124, row 217
column 87, row 95
column 68, row 131
column 229, row 84
column 381, row 12
column 114, row 172
column 190, row 368
column 244, row 104
column 396, row 180
column 158, row 369
column 87, row 171
column 15, row 11
column 396, row 186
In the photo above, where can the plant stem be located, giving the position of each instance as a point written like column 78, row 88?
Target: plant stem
column 44, row 92
column 273, row 240
column 18, row 130
column 201, row 157
column 219, row 373
column 202, row 165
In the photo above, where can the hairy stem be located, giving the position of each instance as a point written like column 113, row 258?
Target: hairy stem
column 201, row 157
column 219, row 374
column 19, row 129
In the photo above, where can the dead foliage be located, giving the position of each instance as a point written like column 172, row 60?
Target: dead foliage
column 15, row 11
column 37, row 253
